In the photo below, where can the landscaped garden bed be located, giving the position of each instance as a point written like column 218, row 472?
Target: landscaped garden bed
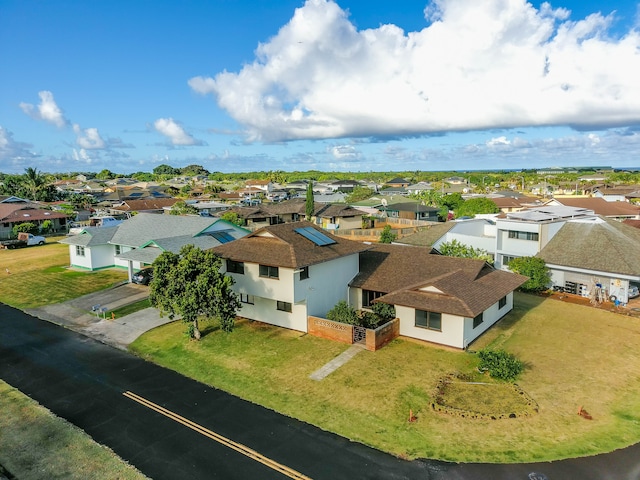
column 466, row 396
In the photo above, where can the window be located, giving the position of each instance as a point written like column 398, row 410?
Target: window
column 506, row 259
column 368, row 296
column 523, row 235
column 430, row 320
column 304, row 273
column 235, row 267
column 478, row 320
column 284, row 306
column 269, row 272
column 502, row 302
column 118, row 249
column 246, row 298
column 79, row 251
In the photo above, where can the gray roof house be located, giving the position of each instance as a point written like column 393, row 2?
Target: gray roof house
column 588, row 252
column 138, row 241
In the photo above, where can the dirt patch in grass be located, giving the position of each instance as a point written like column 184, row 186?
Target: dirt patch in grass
column 482, row 400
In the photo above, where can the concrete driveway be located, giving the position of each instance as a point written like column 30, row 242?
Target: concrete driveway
column 77, row 315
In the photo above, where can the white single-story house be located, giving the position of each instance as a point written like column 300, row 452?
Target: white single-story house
column 139, row 240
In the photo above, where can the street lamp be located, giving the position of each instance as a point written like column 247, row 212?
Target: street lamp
column 522, row 183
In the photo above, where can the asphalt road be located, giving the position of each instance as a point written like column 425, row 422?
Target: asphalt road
column 172, row 427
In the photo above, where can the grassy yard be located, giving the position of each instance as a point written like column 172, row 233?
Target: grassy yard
column 36, row 444
column 575, row 356
column 39, row 276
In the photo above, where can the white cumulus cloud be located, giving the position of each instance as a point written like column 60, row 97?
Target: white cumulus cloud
column 174, row 132
column 477, row 65
column 88, row 138
column 47, row 110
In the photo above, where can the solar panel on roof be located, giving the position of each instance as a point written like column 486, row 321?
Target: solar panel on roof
column 222, row 237
column 315, row 236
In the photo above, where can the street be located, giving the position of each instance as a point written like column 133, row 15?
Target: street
column 169, row 426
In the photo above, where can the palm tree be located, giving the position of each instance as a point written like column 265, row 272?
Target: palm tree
column 33, row 182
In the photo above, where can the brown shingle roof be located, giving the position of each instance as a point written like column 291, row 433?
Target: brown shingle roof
column 12, row 212
column 464, row 287
column 601, row 207
column 280, row 246
column 145, row 205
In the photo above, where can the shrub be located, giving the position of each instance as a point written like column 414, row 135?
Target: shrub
column 26, row 227
column 385, row 311
column 369, row 320
column 342, row 312
column 387, row 235
column 46, row 226
column 500, row 364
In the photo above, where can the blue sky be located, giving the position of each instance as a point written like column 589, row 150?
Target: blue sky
column 292, row 85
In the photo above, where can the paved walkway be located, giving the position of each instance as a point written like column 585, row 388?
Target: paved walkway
column 337, row 362
column 120, row 332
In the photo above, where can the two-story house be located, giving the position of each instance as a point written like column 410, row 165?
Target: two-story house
column 286, row 272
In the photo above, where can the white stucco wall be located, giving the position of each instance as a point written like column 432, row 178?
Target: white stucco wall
column 327, row 284
column 456, row 331
column 451, row 334
column 96, row 257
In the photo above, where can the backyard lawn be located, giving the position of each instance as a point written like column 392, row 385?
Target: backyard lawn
column 575, row 356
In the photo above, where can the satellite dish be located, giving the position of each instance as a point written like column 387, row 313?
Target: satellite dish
column 384, row 202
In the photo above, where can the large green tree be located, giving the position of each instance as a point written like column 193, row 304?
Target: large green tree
column 475, row 206
column 454, row 248
column 183, row 208
column 190, row 285
column 536, row 269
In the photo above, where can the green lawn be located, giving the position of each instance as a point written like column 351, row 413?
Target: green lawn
column 36, row 444
column 39, row 276
column 575, row 356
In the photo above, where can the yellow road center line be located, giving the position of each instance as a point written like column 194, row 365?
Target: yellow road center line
column 238, row 447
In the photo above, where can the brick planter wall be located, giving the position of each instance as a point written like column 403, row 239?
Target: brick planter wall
column 323, row 328
column 343, row 333
column 378, row 338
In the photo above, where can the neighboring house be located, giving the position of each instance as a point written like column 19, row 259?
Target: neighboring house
column 206, row 208
column 344, row 185
column 508, row 204
column 615, row 194
column 330, row 216
column 15, row 213
column 525, row 233
column 286, row 272
column 264, row 185
column 90, row 249
column 335, row 216
column 144, row 206
column 138, row 241
column 594, row 251
column 411, row 211
column 613, row 210
column 397, row 182
column 419, row 187
column 254, row 217
column 445, row 300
